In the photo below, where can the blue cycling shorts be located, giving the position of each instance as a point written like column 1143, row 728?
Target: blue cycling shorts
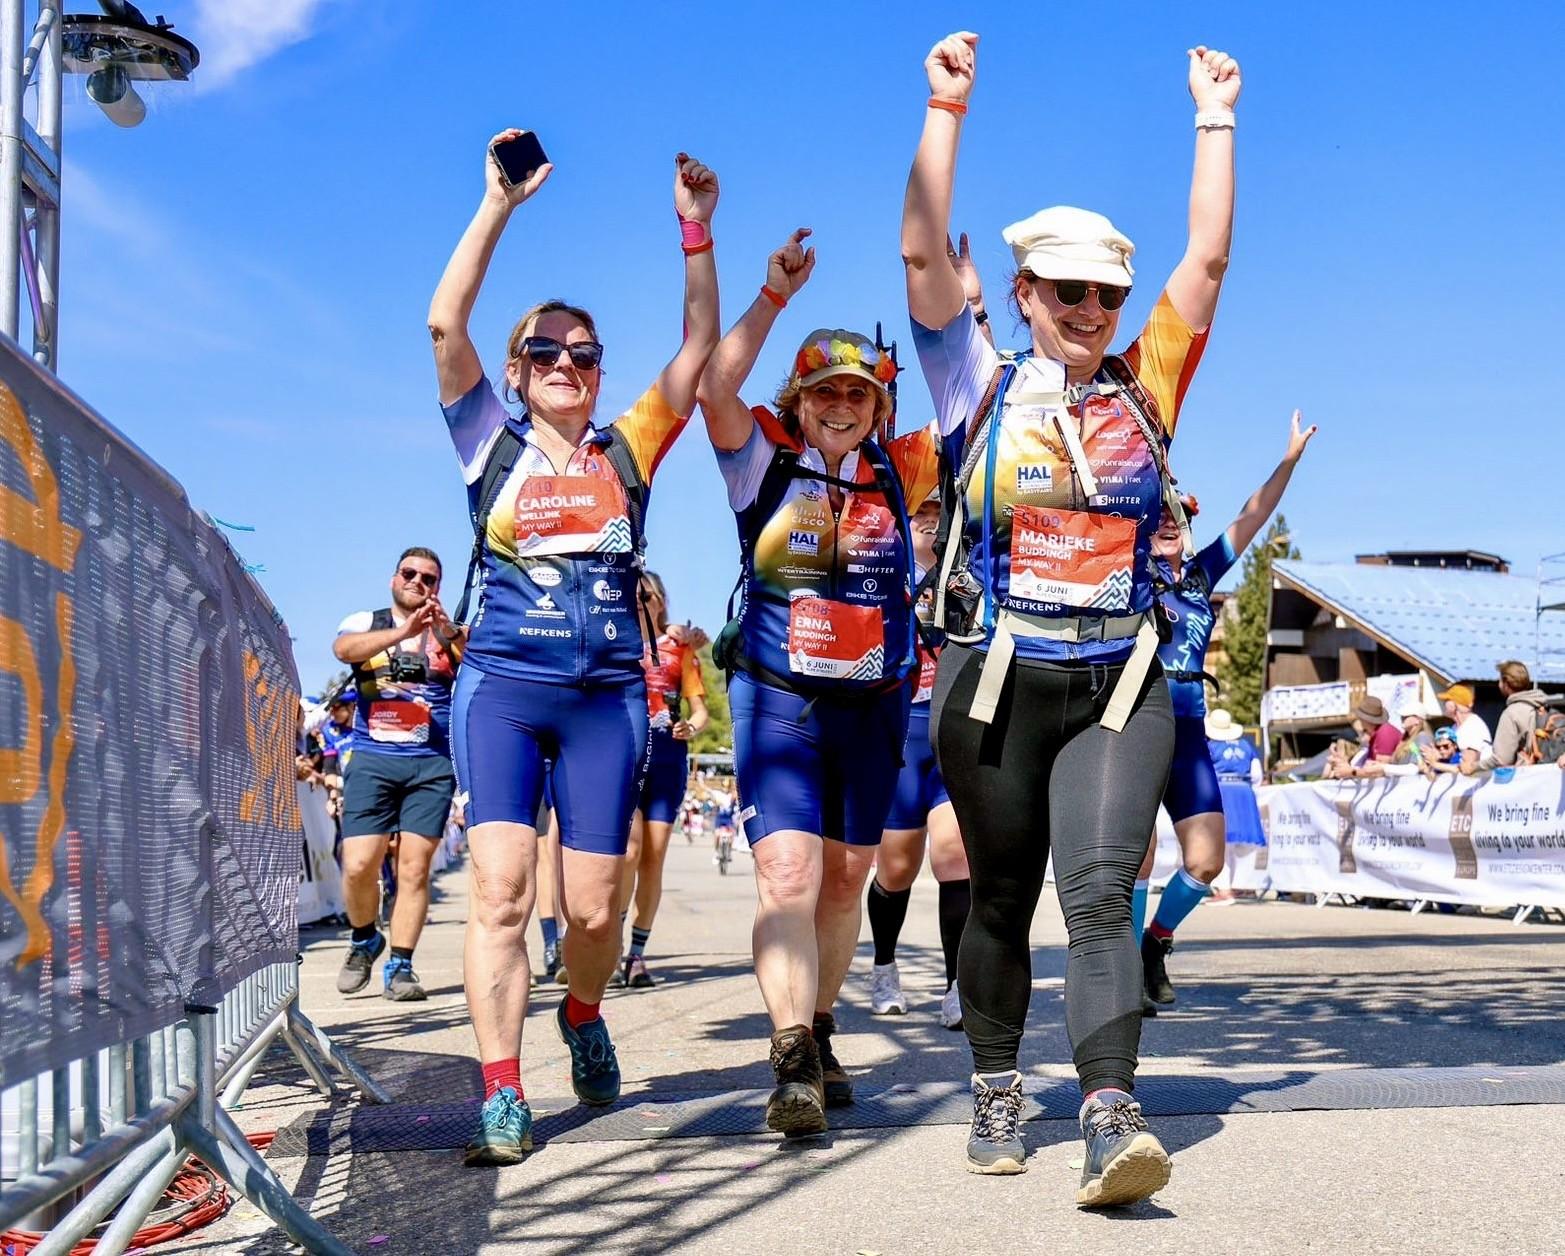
column 663, row 784
column 919, row 787
column 834, row 773
column 591, row 739
column 1192, row 780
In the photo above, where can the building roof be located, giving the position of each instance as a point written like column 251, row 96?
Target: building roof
column 1456, row 623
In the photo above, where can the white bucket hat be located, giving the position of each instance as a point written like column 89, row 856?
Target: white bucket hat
column 1068, row 243
column 1220, row 726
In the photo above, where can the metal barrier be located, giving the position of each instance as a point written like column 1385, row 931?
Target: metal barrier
column 130, row 1115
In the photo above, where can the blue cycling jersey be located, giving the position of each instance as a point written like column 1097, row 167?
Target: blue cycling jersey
column 558, row 569
column 1188, row 605
column 1233, row 760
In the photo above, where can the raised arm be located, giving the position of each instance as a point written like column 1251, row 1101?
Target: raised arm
column 972, row 285
column 1264, row 500
column 1196, row 281
column 728, row 419
column 456, row 360
column 695, row 198
column 934, row 290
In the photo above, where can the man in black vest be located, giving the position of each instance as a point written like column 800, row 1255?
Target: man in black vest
column 399, row 779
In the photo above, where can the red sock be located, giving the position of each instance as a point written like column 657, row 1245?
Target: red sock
column 1157, row 930
column 500, row 1073
column 578, row 1013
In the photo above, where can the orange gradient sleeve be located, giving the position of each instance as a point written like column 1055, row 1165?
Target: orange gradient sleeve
column 650, row 428
column 1164, row 357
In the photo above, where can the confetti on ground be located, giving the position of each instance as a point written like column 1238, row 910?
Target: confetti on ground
column 423, row 1120
column 664, row 1177
column 751, row 1164
column 377, row 1239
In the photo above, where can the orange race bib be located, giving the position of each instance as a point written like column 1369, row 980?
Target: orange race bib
column 1075, row 557
column 928, row 665
column 571, row 514
column 835, row 641
column 399, row 723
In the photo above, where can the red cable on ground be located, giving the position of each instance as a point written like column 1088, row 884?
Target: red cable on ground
column 196, row 1186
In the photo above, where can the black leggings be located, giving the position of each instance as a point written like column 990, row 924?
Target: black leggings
column 1046, row 773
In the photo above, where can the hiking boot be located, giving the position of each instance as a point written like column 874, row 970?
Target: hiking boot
column 885, row 991
column 1154, row 968
column 797, row 1108
column 1148, row 1008
column 1124, row 1161
column 594, row 1068
column 355, row 972
column 617, row 977
column 505, row 1130
column 951, row 1009
column 994, row 1143
column 402, row 984
column 636, row 975
column 834, row 1078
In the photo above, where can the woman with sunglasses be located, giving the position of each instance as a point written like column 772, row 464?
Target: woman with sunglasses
column 553, row 668
column 817, row 658
column 1193, row 795
column 920, row 809
column 673, row 676
column 1052, row 722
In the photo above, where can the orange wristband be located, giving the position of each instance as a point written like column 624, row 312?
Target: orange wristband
column 950, row 106
column 780, row 302
column 692, row 249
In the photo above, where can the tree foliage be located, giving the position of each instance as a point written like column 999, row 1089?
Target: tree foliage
column 718, row 735
column 1242, row 673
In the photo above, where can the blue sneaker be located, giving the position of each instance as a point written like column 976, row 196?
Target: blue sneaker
column 402, row 983
column 505, row 1130
column 355, row 972
column 594, row 1070
column 1124, row 1161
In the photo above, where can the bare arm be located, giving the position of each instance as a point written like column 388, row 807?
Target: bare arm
column 728, row 420
column 685, row 729
column 972, row 284
column 695, row 198
column 1264, row 500
column 456, row 360
column 360, row 647
column 1194, row 286
column 934, row 291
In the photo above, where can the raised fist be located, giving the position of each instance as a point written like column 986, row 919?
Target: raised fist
column 1214, row 78
column 788, row 269
column 952, row 65
column 695, row 189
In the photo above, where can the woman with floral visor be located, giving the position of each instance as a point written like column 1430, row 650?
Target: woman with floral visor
column 1052, row 723
column 817, row 657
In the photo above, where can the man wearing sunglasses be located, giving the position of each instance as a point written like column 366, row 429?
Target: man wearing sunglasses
column 403, row 658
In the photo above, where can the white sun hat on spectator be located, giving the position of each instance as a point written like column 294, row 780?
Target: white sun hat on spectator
column 1064, row 242
column 1221, row 726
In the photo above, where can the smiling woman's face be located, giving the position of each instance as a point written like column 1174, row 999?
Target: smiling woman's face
column 837, row 413
column 1077, row 335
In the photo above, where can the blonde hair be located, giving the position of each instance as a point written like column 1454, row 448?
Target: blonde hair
column 786, row 403
column 524, row 328
column 1515, row 674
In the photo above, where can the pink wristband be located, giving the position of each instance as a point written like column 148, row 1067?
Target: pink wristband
column 691, row 233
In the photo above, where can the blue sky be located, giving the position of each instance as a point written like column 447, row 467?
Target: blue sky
column 245, row 276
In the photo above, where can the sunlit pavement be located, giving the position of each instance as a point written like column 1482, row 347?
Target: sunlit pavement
column 1269, row 995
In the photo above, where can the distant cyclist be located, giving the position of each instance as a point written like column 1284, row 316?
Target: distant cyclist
column 553, row 671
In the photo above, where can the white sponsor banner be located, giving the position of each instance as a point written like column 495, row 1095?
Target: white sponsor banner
column 1479, row 840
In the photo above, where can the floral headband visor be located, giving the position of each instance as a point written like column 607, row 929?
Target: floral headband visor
column 828, row 352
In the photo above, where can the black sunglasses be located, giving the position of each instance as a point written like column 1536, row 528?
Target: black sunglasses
column 423, row 577
column 1072, row 292
column 544, row 351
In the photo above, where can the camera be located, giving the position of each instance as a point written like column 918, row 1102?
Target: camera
column 408, row 669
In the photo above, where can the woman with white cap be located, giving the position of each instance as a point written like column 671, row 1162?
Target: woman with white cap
column 1193, row 795
column 1057, row 476
column 817, row 658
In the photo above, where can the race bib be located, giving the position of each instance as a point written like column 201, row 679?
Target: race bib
column 571, row 514
column 1075, row 557
column 928, row 666
column 399, row 723
column 835, row 641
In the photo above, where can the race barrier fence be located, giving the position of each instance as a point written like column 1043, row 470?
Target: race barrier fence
column 150, row 834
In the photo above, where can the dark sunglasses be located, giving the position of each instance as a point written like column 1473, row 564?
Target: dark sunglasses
column 423, row 577
column 1072, row 292
column 543, row 351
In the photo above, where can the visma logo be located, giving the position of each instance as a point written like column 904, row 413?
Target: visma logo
column 803, row 543
column 1034, row 477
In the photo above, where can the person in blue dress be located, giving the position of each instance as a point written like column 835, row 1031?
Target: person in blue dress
column 1192, row 796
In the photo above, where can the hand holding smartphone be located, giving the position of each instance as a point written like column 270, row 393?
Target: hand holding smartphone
column 518, row 158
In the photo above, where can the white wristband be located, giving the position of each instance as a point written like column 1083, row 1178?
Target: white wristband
column 1214, row 120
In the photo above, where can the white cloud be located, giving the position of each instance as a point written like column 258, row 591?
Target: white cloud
column 236, row 34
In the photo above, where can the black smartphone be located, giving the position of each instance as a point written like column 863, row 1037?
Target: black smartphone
column 518, row 157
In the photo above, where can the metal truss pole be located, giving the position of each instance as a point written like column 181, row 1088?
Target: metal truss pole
column 12, row 20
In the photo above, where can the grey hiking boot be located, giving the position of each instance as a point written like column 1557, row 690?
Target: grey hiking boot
column 1124, row 1160
column 994, row 1144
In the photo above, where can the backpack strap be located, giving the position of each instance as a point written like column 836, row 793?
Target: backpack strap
column 1149, row 419
column 623, row 460
column 497, row 466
